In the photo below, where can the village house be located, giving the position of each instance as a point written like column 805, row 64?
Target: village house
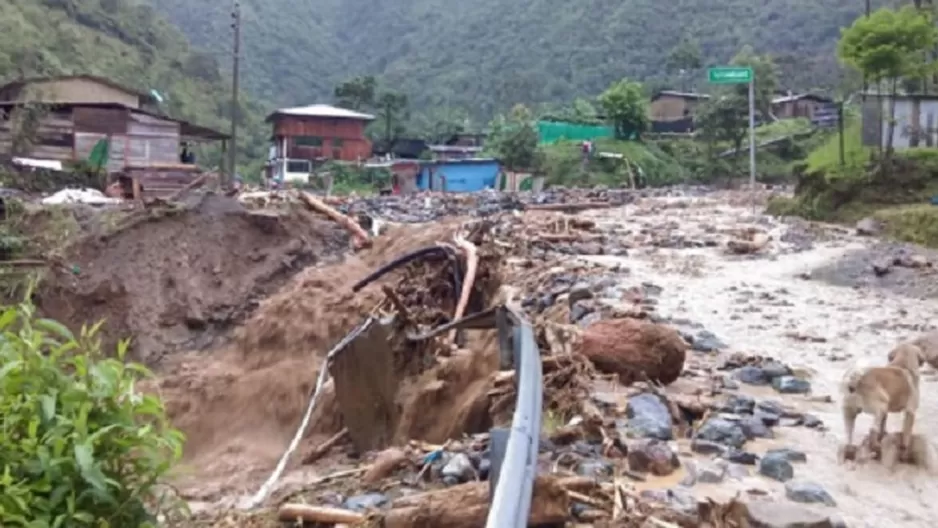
column 64, row 118
column 908, row 132
column 805, row 105
column 668, row 105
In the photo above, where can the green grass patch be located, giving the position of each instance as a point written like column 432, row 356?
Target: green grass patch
column 826, row 157
column 917, row 224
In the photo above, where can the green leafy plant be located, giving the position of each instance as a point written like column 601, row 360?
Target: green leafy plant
column 80, row 445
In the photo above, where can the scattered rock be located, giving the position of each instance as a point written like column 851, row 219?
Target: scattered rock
column 653, row 456
column 706, row 341
column 776, row 466
column 722, row 431
column 755, row 427
column 706, row 447
column 742, row 457
column 458, row 468
column 713, row 472
column 739, row 404
column 594, row 468
column 764, row 514
column 634, row 349
column 791, row 385
column 649, row 417
column 367, row 501
column 868, row 227
column 790, row 455
column 808, row 492
column 751, row 375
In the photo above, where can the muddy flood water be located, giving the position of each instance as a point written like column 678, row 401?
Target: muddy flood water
column 814, row 303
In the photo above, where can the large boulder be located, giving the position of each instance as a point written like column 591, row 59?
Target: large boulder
column 634, row 349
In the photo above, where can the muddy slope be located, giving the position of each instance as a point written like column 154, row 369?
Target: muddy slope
column 180, row 279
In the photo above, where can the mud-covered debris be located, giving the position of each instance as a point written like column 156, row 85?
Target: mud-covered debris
column 635, row 350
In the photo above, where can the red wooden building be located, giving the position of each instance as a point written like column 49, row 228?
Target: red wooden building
column 320, row 132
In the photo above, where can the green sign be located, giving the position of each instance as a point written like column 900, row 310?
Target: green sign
column 730, row 75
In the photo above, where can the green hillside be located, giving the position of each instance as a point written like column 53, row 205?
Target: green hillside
column 487, row 54
column 128, row 42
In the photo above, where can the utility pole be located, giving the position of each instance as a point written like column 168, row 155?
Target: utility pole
column 233, row 147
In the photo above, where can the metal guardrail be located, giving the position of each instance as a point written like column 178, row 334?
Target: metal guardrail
column 514, row 451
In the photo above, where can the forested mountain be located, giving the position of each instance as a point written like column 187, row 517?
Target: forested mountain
column 127, row 41
column 485, row 55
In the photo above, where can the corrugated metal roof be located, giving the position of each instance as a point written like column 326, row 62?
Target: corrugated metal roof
column 323, row 110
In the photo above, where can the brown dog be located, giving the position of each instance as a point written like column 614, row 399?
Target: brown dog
column 883, row 390
column 928, row 342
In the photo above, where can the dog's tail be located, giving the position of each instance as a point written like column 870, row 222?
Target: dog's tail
column 852, row 377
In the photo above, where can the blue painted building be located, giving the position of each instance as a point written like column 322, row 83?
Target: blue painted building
column 465, row 175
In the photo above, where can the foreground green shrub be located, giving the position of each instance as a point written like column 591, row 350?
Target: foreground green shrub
column 80, row 445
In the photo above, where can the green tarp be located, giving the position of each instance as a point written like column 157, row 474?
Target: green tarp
column 553, row 131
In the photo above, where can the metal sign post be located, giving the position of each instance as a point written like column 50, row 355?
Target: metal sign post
column 742, row 75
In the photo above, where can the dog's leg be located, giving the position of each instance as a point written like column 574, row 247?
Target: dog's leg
column 848, row 452
column 908, row 423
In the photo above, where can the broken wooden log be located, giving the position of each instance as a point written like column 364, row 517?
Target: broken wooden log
column 467, row 506
column 318, row 206
column 317, row 514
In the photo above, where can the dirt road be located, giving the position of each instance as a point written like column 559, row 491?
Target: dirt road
column 820, row 309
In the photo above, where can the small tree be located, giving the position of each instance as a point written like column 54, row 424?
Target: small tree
column 765, row 74
column 888, row 46
column 357, row 94
column 724, row 119
column 626, row 107
column 82, row 445
column 513, row 140
column 392, row 111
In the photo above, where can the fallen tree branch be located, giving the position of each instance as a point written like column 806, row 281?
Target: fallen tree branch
column 317, row 514
column 324, row 447
column 317, row 205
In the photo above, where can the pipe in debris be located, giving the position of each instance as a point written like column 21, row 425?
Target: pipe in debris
column 404, row 259
column 472, row 262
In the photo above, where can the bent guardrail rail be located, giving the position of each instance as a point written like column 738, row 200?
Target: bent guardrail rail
column 514, row 451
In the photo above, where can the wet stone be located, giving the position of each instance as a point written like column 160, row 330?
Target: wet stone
column 790, row 455
column 738, row 404
column 737, row 471
column 808, row 492
column 458, row 467
column 594, row 468
column 767, row 514
column 649, row 417
column 791, row 385
column 706, row 341
column 722, row 431
column 705, row 447
column 812, row 422
column 579, row 311
column 751, row 376
column 690, row 473
column 774, row 369
column 756, row 428
column 776, row 466
column 769, row 419
column 368, row 501
column 712, row 473
column 771, row 407
column 653, row 456
column 742, row 457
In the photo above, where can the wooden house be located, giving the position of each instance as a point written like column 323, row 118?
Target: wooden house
column 63, row 118
column 320, row 132
column 806, row 105
column 75, row 89
column 668, row 105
